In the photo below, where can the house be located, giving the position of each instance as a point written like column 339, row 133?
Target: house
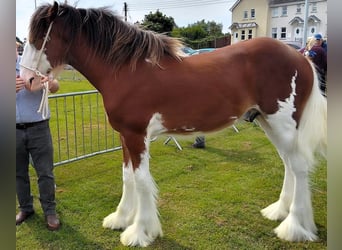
column 280, row 19
column 249, row 19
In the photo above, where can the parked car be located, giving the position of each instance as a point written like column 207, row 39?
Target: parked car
column 204, row 50
column 189, row 51
column 293, row 44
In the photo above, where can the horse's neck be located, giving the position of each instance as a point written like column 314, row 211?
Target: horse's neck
column 94, row 69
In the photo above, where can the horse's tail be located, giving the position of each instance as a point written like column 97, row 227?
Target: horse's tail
column 312, row 130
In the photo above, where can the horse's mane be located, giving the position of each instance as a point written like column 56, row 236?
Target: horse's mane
column 114, row 40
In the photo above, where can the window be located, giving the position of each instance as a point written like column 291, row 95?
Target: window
column 250, row 34
column 236, row 35
column 297, row 31
column 299, row 8
column 283, row 33
column 284, row 11
column 243, row 35
column 245, row 14
column 275, row 12
column 314, row 7
column 274, row 33
column 252, row 13
column 312, row 31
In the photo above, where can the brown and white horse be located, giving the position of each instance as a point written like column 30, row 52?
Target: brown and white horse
column 149, row 88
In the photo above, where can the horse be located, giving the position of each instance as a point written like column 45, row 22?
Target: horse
column 150, row 88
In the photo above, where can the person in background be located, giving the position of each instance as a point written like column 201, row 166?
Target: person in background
column 318, row 55
column 33, row 139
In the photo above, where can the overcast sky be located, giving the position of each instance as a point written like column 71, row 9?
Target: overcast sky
column 184, row 12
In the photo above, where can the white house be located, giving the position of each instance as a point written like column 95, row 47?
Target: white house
column 286, row 19
column 280, row 19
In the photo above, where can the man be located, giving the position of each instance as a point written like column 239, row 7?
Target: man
column 33, row 139
column 318, row 56
column 320, row 60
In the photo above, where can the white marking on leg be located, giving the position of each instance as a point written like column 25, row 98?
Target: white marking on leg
column 295, row 195
column 146, row 226
column 281, row 130
column 125, row 212
column 280, row 209
column 299, row 225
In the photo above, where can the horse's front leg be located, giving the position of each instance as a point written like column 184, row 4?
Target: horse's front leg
column 125, row 212
column 146, row 225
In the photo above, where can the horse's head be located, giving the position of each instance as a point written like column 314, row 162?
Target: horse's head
column 42, row 53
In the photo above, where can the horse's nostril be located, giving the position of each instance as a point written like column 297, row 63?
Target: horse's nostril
column 31, row 79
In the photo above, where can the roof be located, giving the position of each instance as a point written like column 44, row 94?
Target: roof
column 275, row 2
column 234, row 5
column 243, row 25
column 314, row 19
column 296, row 19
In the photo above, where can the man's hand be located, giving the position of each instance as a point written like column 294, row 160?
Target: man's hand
column 19, row 83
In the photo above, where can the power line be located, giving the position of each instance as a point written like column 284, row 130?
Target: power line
column 173, row 4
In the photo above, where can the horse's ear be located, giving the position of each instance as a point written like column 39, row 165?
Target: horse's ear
column 53, row 11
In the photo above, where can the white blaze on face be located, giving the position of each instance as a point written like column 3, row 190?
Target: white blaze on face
column 30, row 62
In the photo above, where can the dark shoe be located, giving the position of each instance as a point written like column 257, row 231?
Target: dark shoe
column 22, row 216
column 52, row 222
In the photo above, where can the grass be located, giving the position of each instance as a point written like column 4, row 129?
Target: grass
column 209, row 199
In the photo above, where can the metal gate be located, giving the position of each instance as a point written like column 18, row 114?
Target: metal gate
column 79, row 127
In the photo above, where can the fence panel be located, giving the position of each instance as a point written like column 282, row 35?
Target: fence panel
column 79, row 127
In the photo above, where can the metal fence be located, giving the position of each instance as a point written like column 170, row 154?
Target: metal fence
column 70, row 74
column 79, row 127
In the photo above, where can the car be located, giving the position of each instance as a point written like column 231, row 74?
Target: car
column 189, row 51
column 204, row 50
column 293, row 44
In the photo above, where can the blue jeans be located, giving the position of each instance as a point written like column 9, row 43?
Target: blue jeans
column 35, row 141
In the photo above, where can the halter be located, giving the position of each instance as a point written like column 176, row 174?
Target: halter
column 44, row 104
column 35, row 69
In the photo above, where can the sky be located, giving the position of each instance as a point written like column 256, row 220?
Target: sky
column 184, row 12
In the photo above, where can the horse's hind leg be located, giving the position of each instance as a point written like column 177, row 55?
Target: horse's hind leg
column 294, row 204
column 280, row 209
column 299, row 225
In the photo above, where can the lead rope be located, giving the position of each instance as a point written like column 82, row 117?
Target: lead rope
column 44, row 103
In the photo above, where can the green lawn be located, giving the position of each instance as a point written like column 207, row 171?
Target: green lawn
column 209, row 199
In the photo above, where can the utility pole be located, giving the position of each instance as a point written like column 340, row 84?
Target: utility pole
column 305, row 32
column 125, row 10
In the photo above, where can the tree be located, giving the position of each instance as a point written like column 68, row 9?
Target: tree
column 199, row 30
column 199, row 34
column 158, row 22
